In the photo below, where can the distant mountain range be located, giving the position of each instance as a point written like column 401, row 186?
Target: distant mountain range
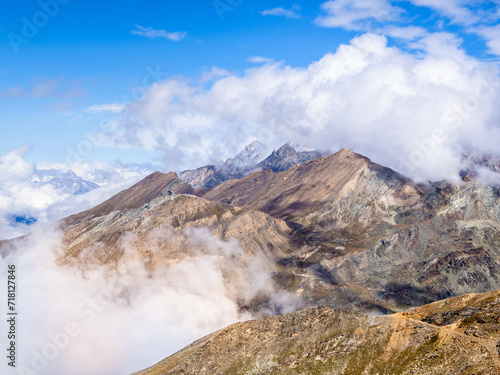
column 66, row 181
column 340, row 230
column 249, row 160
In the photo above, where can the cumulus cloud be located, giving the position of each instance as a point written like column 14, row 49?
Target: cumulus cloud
column 149, row 32
column 357, row 14
column 87, row 318
column 26, row 194
column 412, row 113
column 294, row 12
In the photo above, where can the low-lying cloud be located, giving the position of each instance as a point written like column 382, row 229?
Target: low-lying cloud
column 85, row 318
column 414, row 112
column 24, row 195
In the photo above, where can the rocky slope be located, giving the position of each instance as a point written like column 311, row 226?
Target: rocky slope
column 460, row 335
column 342, row 188
column 148, row 206
column 337, row 231
column 370, row 237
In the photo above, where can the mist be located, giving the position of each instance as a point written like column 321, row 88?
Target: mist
column 88, row 318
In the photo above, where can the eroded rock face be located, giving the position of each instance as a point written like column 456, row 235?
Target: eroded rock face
column 340, row 230
column 338, row 190
column 136, row 196
column 456, row 336
column 337, row 231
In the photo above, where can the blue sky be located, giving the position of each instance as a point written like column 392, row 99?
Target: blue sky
column 95, row 53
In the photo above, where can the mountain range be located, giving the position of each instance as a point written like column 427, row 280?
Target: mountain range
column 66, row 181
column 357, row 243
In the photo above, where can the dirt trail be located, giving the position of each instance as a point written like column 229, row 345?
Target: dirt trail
column 450, row 329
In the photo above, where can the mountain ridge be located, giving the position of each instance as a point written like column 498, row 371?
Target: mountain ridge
column 457, row 335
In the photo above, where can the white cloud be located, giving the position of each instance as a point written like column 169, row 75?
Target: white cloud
column 127, row 316
column 149, row 32
column 455, row 10
column 357, row 14
column 405, row 33
column 294, row 12
column 442, row 44
column 367, row 96
column 260, row 60
column 115, row 107
column 384, row 17
column 214, row 73
column 492, row 36
column 22, row 194
column 472, row 15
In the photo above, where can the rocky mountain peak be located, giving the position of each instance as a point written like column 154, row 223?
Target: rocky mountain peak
column 286, row 157
column 247, row 161
column 337, row 231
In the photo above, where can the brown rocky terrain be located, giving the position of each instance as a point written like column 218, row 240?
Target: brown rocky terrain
column 101, row 229
column 343, row 188
column 460, row 335
column 141, row 193
column 337, row 230
column 370, row 237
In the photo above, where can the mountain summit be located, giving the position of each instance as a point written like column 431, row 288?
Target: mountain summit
column 247, row 161
column 285, row 158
